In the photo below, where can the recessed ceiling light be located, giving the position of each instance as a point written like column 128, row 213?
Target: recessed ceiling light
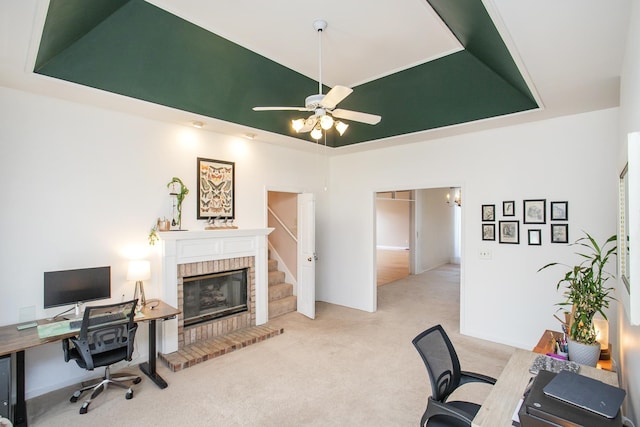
column 197, row 124
column 250, row 135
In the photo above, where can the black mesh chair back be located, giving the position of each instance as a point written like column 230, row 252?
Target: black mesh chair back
column 441, row 361
column 106, row 337
column 443, row 366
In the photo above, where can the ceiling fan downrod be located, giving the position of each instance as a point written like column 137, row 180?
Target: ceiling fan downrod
column 320, row 25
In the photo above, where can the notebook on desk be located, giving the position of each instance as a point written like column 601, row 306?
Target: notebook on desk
column 586, row 393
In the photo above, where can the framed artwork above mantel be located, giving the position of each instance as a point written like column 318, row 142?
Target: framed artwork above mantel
column 216, row 189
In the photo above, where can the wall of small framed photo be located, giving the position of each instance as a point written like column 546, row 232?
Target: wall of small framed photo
column 534, row 219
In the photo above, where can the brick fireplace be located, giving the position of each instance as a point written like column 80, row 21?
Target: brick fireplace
column 189, row 334
column 193, row 253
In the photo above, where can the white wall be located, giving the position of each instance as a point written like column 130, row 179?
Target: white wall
column 629, row 341
column 83, row 186
column 437, row 232
column 393, row 223
column 503, row 299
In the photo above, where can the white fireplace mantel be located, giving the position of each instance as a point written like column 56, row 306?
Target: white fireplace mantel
column 183, row 247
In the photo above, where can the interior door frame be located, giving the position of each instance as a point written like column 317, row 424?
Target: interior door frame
column 282, row 189
column 415, row 239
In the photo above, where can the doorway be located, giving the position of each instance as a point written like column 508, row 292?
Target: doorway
column 426, row 223
column 291, row 253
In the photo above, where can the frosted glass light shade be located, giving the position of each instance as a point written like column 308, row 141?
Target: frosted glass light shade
column 326, row 122
column 341, row 127
column 297, row 124
column 316, row 133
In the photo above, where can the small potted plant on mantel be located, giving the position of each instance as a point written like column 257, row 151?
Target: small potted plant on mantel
column 586, row 294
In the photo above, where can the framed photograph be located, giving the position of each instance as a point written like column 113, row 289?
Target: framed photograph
column 535, row 237
column 488, row 232
column 509, row 208
column 216, row 189
column 509, row 232
column 559, row 233
column 559, row 211
column 534, row 211
column 488, row 212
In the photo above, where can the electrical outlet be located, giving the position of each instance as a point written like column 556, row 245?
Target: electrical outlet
column 484, row 254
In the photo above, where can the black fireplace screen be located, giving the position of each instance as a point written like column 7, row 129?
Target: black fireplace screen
column 212, row 296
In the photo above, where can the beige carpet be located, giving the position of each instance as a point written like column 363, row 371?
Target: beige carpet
column 346, row 368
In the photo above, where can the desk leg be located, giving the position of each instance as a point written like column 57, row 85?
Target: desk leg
column 20, row 410
column 150, row 368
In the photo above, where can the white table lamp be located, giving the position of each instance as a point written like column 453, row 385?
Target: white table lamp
column 139, row 270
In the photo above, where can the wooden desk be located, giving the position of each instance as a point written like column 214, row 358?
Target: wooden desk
column 498, row 407
column 544, row 346
column 14, row 341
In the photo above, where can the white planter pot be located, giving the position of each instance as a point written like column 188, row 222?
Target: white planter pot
column 584, row 354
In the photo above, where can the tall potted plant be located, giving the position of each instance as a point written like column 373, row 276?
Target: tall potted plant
column 586, row 294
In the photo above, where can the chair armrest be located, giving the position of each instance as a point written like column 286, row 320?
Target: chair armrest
column 470, row 377
column 438, row 408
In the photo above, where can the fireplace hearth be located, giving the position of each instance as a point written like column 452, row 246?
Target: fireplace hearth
column 214, row 296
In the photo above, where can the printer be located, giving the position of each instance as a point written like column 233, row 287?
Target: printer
column 540, row 410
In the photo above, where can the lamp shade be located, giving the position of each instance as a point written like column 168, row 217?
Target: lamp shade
column 139, row 270
column 602, row 332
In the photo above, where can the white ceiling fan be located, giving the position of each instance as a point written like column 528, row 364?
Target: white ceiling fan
column 324, row 106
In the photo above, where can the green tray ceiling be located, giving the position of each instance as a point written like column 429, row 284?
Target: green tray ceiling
column 133, row 48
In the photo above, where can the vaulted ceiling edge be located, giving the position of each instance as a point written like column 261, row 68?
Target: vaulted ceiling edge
column 135, row 49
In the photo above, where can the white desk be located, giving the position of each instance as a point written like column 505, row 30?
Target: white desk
column 498, row 407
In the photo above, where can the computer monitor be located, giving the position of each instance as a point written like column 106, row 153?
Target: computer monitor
column 76, row 286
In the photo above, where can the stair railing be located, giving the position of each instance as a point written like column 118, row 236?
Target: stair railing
column 286, row 253
column 284, row 226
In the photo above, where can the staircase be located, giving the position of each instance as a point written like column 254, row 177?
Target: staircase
column 281, row 298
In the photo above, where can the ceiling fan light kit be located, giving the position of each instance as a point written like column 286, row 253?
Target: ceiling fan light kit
column 341, row 127
column 324, row 106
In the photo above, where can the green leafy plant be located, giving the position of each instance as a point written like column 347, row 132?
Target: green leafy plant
column 153, row 235
column 585, row 290
column 179, row 196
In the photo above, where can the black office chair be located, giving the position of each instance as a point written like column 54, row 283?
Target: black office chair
column 106, row 337
column 443, row 366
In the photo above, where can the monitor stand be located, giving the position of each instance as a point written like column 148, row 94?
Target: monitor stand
column 77, row 314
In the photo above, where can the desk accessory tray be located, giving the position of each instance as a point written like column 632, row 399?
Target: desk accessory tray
column 551, row 364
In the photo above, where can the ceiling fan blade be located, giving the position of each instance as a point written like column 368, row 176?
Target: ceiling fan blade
column 309, row 124
column 281, row 109
column 334, row 96
column 370, row 119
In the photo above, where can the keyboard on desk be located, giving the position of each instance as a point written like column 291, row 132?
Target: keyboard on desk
column 98, row 320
